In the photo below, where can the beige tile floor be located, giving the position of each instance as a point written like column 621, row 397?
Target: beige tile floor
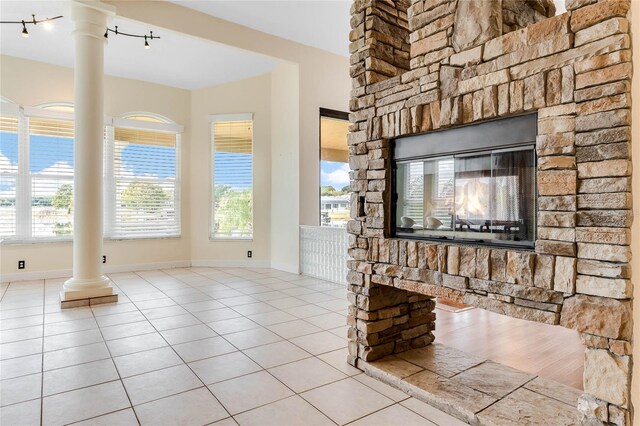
column 191, row 347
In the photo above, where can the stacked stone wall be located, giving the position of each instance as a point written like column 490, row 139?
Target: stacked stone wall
column 574, row 70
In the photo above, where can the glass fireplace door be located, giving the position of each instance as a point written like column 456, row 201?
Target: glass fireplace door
column 484, row 197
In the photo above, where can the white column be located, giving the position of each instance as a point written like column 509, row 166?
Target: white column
column 90, row 20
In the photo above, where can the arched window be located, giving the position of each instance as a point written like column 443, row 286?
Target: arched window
column 143, row 173
column 36, row 171
column 142, row 187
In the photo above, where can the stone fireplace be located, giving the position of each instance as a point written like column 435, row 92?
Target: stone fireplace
column 423, row 66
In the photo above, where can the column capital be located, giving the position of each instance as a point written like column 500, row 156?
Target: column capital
column 90, row 18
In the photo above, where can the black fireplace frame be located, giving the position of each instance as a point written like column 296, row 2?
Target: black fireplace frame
column 514, row 132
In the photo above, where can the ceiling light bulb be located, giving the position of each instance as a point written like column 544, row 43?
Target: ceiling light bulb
column 48, row 25
column 146, row 43
column 25, row 33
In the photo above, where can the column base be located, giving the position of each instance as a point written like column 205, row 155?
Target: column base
column 85, row 292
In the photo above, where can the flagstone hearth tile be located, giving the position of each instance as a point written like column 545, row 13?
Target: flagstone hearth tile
column 396, row 366
column 555, row 390
column 493, row 379
column 447, row 395
column 440, row 359
column 526, row 407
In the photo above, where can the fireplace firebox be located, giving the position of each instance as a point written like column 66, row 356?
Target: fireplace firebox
column 474, row 184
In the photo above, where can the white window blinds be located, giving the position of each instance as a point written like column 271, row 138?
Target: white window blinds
column 232, row 159
column 145, row 183
column 51, row 174
column 8, row 174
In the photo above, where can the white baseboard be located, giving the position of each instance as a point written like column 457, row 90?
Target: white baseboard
column 211, row 263
column 286, row 267
column 37, row 275
column 111, row 269
column 63, row 273
column 233, row 263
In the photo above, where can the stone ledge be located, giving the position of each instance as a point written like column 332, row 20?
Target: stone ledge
column 478, row 392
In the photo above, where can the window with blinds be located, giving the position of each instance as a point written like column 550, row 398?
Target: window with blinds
column 145, row 182
column 232, row 159
column 51, row 175
column 8, row 174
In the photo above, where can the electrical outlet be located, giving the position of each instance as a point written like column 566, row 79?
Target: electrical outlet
column 104, row 259
column 249, row 253
column 21, row 264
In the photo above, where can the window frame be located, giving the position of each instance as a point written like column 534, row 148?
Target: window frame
column 158, row 123
column 331, row 114
column 24, row 193
column 212, row 119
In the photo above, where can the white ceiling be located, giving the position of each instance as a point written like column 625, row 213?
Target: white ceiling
column 175, row 60
column 193, row 63
column 319, row 23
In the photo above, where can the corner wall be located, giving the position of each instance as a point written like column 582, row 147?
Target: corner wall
column 252, row 95
column 287, row 167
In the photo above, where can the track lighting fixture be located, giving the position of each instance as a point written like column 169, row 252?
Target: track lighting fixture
column 32, row 21
column 146, row 37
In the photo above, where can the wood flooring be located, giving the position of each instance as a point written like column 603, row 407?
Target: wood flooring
column 552, row 352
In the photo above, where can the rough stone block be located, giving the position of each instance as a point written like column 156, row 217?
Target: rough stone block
column 557, row 162
column 604, row 269
column 604, row 90
column 520, row 267
column 565, row 275
column 467, row 262
column 607, row 218
column 614, row 151
column 605, row 201
column 601, row 30
column 603, row 120
column 598, row 315
column 591, row 406
column 453, row 260
column 485, row 25
column 555, row 144
column 557, row 219
column 566, row 203
column 605, row 252
column 498, row 265
column 590, row 15
column 516, row 96
column 557, row 182
column 544, row 271
column 483, row 263
column 604, row 75
column 604, row 185
column 607, row 376
column 557, row 248
column 605, row 287
column 608, row 168
column 604, row 136
column 557, row 234
column 534, row 92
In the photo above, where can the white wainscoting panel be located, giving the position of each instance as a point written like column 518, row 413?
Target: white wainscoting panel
column 323, row 253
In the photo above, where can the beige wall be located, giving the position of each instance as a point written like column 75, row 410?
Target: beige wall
column 323, row 80
column 287, row 168
column 248, row 96
column 635, row 241
column 29, row 83
column 308, row 80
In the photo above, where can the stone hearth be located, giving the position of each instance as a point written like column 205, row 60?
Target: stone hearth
column 422, row 66
column 476, row 390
